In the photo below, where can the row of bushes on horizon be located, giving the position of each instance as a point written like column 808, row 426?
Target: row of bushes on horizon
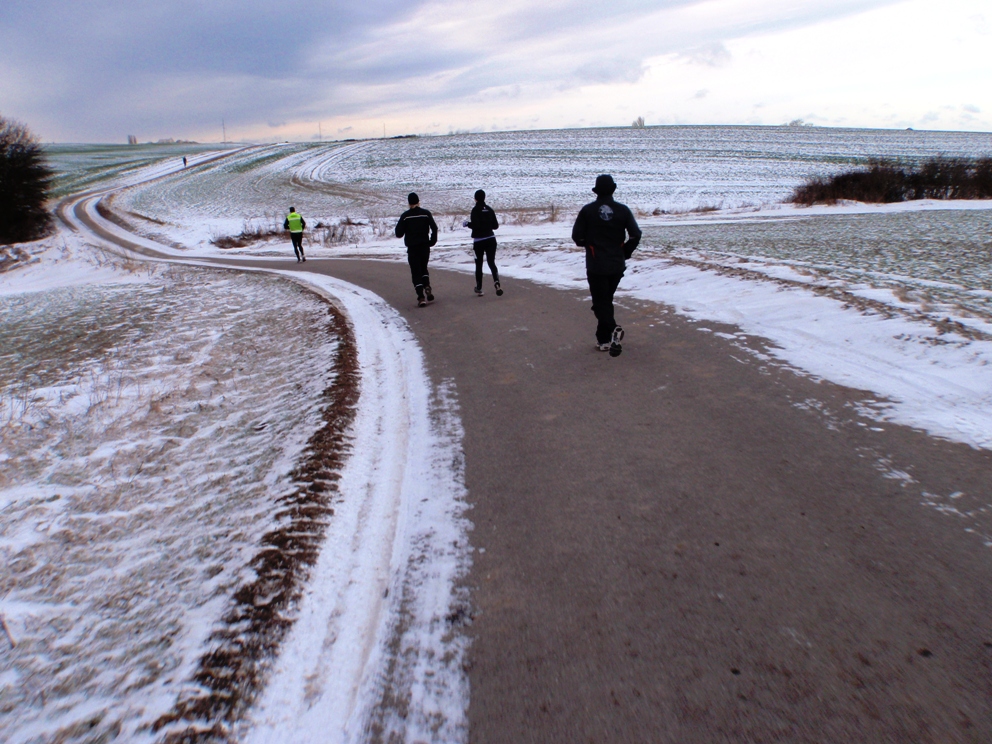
column 886, row 181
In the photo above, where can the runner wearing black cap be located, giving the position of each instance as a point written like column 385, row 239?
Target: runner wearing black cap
column 483, row 221
column 419, row 233
column 609, row 233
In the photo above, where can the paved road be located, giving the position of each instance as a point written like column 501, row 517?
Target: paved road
column 675, row 551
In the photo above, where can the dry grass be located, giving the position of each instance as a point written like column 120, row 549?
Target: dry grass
column 232, row 675
column 251, row 232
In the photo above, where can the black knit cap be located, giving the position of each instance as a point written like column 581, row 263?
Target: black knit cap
column 413, row 199
column 480, row 195
column 605, row 185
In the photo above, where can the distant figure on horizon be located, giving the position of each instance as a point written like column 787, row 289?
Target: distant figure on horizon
column 419, row 232
column 601, row 228
column 483, row 221
column 296, row 225
column 184, row 161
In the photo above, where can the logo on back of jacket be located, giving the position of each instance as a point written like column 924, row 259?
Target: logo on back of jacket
column 605, row 213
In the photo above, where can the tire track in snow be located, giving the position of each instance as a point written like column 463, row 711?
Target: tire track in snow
column 375, row 654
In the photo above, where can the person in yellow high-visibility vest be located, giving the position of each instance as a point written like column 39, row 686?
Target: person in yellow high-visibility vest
column 296, row 225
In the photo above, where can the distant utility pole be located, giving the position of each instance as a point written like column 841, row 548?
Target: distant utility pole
column 320, row 133
column 223, row 127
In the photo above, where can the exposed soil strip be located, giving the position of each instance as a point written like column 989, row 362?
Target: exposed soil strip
column 232, row 674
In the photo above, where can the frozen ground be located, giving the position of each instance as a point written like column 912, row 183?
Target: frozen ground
column 895, row 300
column 147, row 426
column 126, row 411
column 80, row 167
column 662, row 168
column 155, row 419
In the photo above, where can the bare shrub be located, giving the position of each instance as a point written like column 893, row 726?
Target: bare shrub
column 251, row 232
column 382, row 225
column 345, row 232
column 885, row 182
column 25, row 180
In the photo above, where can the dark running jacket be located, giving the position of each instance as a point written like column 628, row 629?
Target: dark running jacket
column 417, row 228
column 602, row 228
column 483, row 221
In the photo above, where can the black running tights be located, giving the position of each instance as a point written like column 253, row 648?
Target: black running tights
column 487, row 248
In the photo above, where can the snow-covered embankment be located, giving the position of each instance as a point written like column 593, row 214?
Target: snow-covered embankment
column 376, row 644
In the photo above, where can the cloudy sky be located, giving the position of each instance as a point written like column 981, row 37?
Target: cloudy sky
column 98, row 70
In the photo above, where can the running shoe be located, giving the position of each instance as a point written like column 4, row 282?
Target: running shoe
column 478, row 291
column 615, row 347
column 430, row 295
column 421, row 302
column 499, row 290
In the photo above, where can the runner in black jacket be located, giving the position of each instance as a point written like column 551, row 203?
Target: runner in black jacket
column 601, row 228
column 419, row 232
column 483, row 222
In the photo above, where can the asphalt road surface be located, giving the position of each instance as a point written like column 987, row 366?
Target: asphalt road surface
column 687, row 544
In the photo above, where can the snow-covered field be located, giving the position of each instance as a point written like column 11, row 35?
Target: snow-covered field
column 147, row 428
column 153, row 414
column 893, row 299
column 162, row 486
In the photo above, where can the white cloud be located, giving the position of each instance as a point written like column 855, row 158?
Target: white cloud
column 711, row 55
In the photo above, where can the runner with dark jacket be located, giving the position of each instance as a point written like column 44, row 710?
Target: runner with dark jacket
column 483, row 221
column 601, row 228
column 419, row 233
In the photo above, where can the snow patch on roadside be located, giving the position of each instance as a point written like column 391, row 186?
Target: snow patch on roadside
column 376, row 647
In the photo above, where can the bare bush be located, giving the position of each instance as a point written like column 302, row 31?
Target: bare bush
column 25, row 180
column 885, row 182
column 345, row 232
column 251, row 232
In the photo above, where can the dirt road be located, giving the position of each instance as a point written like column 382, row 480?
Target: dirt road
column 687, row 544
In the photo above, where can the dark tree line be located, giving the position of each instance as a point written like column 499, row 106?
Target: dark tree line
column 24, row 182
